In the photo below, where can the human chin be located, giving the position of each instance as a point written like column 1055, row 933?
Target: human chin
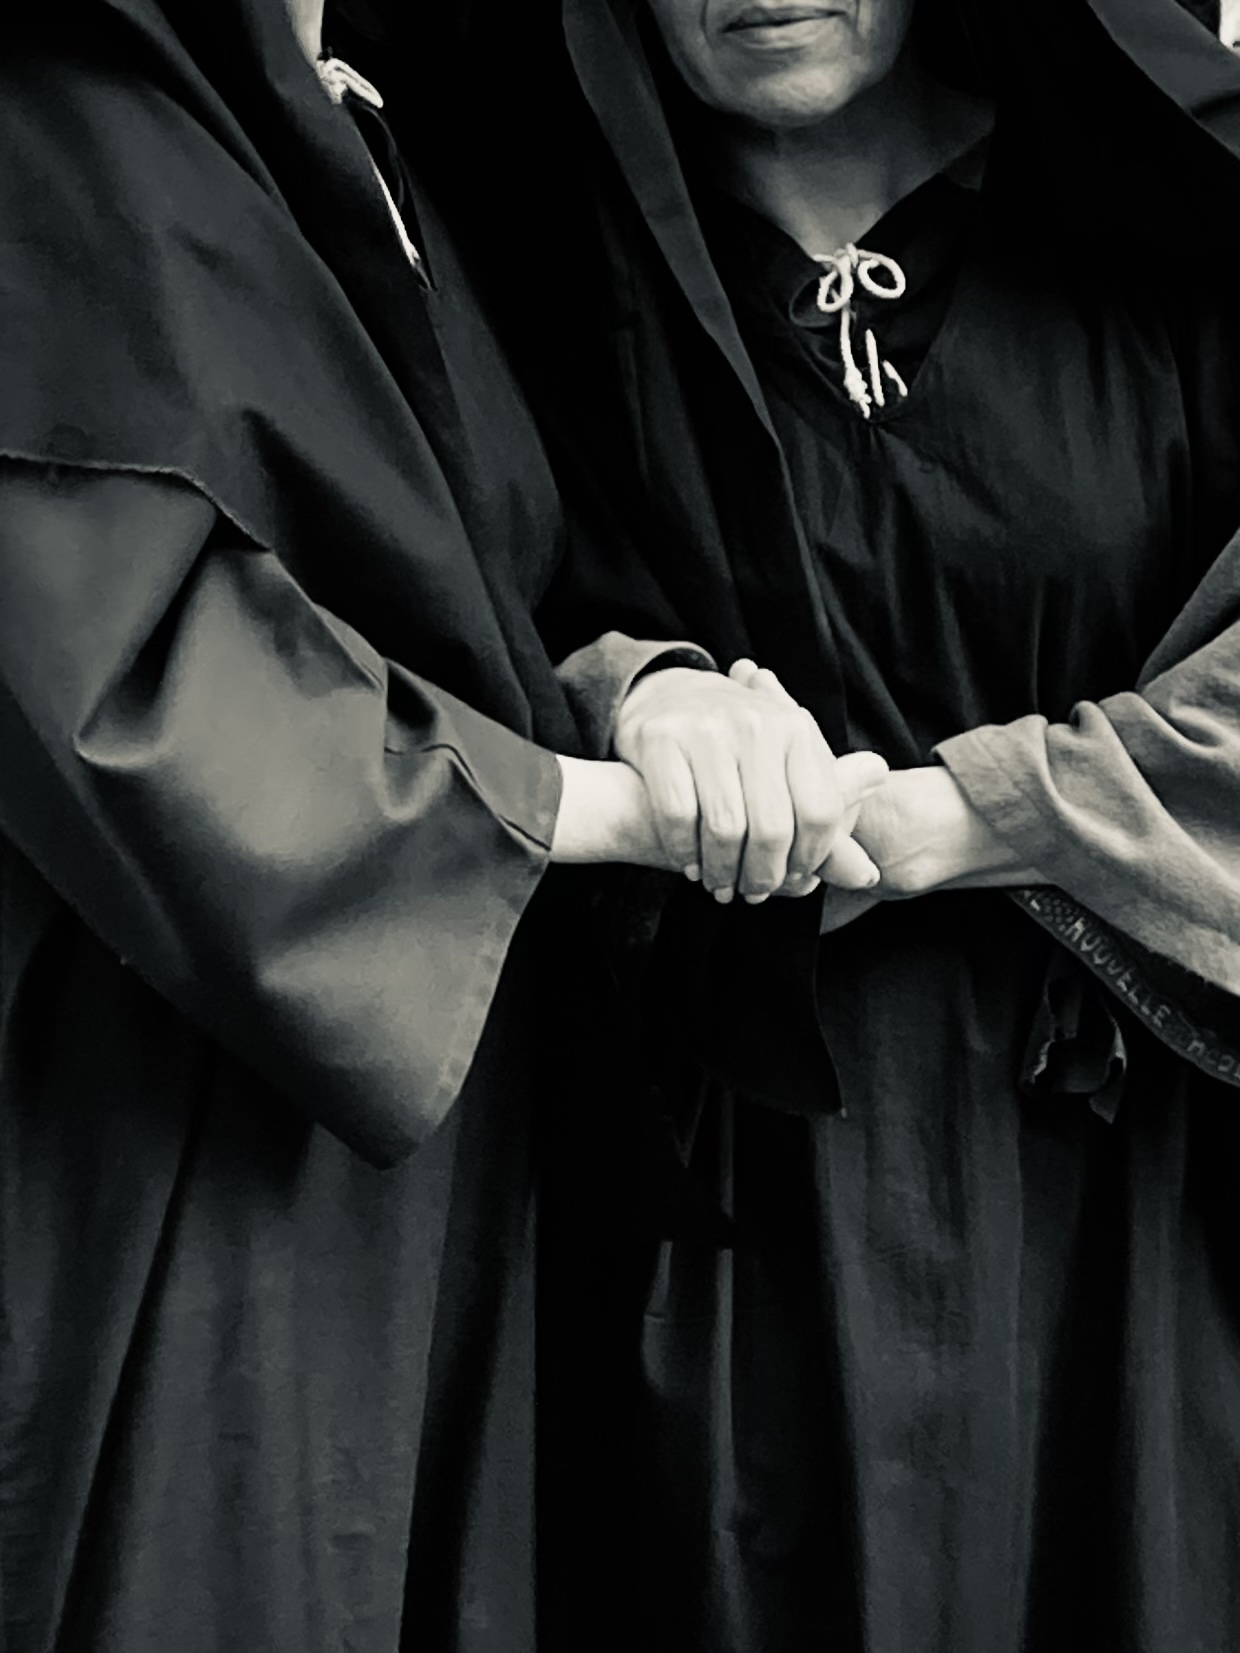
column 783, row 101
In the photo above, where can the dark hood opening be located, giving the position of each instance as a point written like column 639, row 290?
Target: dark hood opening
column 948, row 46
column 1129, row 112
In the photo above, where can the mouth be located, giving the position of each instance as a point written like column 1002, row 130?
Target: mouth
column 759, row 19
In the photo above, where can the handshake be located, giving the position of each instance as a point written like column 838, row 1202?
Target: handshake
column 729, row 781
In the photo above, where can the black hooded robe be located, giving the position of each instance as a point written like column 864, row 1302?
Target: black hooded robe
column 266, row 1382
column 968, row 1380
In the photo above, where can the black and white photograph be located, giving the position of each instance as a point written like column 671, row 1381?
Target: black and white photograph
column 620, row 826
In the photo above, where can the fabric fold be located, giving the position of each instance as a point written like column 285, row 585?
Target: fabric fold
column 318, row 858
column 1134, row 805
column 1076, row 1047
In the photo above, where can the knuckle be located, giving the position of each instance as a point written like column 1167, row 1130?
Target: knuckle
column 768, row 839
column 819, row 817
column 741, row 723
column 724, row 823
column 676, row 818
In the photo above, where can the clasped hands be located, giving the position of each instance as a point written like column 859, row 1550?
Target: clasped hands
column 730, row 781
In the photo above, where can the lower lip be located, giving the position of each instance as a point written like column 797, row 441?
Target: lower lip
column 785, row 35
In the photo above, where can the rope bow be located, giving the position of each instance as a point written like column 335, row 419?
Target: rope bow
column 843, row 271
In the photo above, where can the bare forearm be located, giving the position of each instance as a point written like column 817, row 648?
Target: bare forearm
column 925, row 835
column 605, row 815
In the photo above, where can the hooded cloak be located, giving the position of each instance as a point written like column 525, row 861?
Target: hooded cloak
column 278, row 787
column 966, row 1379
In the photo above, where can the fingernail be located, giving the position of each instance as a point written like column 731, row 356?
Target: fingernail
column 722, row 896
column 757, row 900
column 874, row 878
column 693, row 872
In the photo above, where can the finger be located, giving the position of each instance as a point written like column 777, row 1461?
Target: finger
column 760, row 678
column 771, row 820
column 826, row 793
column 766, row 682
column 798, row 886
column 848, row 867
column 673, row 799
column 858, row 774
column 817, row 802
column 722, row 819
column 673, row 795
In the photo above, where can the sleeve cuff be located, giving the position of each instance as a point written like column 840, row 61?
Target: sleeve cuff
column 1073, row 815
column 597, row 678
column 989, row 765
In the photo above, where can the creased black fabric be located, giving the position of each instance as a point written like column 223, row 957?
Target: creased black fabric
column 274, row 521
column 966, row 1378
column 248, row 318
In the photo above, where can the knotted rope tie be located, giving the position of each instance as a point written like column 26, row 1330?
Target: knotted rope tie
column 843, row 270
column 337, row 78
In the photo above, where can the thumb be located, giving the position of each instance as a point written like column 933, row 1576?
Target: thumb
column 751, row 676
column 848, row 867
column 857, row 774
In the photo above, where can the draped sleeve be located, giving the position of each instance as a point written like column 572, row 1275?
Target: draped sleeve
column 1133, row 805
column 310, row 851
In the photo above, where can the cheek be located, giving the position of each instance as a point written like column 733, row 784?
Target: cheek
column 680, row 28
column 885, row 28
column 679, row 23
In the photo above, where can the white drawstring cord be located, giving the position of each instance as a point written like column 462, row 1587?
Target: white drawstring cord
column 338, row 78
column 842, row 270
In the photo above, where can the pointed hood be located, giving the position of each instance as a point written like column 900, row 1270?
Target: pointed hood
column 199, row 277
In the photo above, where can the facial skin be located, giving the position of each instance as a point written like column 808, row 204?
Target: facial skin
column 782, row 64
column 306, row 17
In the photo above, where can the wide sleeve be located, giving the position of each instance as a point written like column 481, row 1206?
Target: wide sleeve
column 312, row 853
column 1133, row 805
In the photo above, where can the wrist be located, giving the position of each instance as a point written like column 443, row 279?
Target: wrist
column 604, row 815
column 963, row 844
column 925, row 835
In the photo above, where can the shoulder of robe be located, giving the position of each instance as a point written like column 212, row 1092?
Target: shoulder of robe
column 98, row 115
